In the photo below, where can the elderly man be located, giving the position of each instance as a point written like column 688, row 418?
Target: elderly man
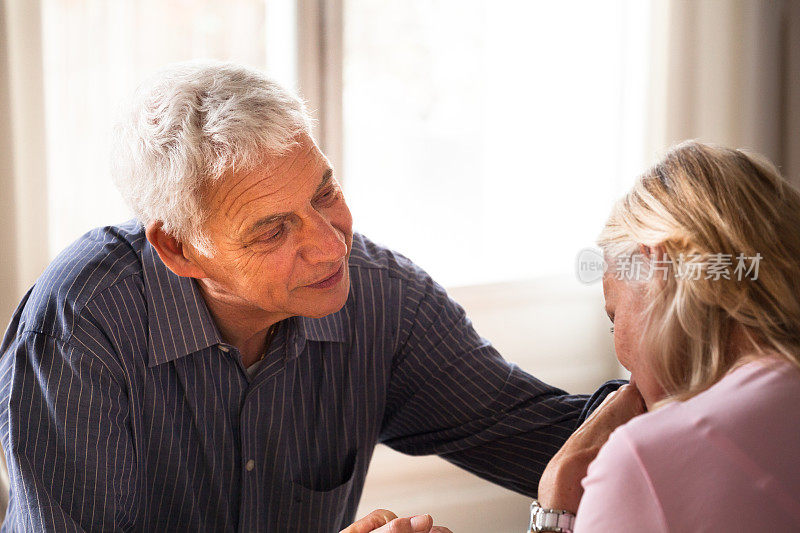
column 229, row 360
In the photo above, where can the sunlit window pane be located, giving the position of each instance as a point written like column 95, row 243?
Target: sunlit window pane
column 487, row 139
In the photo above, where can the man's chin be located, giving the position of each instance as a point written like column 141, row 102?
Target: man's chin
column 327, row 304
column 320, row 313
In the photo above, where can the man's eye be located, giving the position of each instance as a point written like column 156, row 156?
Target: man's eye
column 274, row 234
column 327, row 197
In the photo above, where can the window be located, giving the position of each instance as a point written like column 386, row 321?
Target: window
column 487, row 140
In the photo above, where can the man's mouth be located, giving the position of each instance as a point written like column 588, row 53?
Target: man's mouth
column 330, row 280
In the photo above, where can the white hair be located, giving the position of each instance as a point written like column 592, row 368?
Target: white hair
column 191, row 123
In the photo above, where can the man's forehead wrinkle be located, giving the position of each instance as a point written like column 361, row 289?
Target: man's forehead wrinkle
column 224, row 199
column 235, row 201
column 274, row 193
column 267, row 175
column 300, row 156
column 267, row 169
column 306, row 161
column 243, row 228
column 242, row 176
column 288, row 160
column 241, row 205
column 283, row 163
column 244, row 219
column 306, row 165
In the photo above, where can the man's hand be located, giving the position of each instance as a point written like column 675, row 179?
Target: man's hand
column 560, row 486
column 383, row 521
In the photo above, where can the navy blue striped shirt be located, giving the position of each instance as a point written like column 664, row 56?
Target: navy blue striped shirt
column 123, row 408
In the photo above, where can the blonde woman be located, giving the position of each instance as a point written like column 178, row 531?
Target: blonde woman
column 703, row 291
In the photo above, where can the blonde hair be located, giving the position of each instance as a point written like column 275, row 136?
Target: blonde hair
column 699, row 201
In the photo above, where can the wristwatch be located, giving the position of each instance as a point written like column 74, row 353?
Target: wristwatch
column 554, row 520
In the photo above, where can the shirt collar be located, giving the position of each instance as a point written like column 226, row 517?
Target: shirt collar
column 178, row 318
column 180, row 322
column 330, row 328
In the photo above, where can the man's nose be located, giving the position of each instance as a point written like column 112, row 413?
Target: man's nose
column 324, row 243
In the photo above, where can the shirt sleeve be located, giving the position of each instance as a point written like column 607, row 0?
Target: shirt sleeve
column 452, row 394
column 618, row 493
column 65, row 434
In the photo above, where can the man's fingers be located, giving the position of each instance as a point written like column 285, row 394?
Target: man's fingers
column 371, row 522
column 383, row 521
column 416, row 524
column 422, row 522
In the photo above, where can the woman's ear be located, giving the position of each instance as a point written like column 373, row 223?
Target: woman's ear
column 659, row 264
column 172, row 252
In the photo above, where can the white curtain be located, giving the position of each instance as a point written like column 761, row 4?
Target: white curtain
column 23, row 213
column 726, row 72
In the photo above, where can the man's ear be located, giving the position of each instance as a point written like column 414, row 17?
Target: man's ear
column 172, row 252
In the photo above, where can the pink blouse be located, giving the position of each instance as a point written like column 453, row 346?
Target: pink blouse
column 726, row 460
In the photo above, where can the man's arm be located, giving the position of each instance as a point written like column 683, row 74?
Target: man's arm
column 65, row 433
column 452, row 394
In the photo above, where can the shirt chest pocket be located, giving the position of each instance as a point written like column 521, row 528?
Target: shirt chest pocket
column 322, row 506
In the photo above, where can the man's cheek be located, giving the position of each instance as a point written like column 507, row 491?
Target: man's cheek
column 245, row 264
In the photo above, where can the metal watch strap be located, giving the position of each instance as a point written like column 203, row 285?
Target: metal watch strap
column 550, row 520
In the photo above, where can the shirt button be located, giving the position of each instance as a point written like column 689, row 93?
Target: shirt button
column 249, row 465
column 224, row 349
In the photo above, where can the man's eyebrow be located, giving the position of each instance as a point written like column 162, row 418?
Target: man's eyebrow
column 271, row 219
column 326, row 178
column 266, row 221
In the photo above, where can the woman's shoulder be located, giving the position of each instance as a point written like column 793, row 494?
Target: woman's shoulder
column 723, row 460
column 732, row 445
column 761, row 393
